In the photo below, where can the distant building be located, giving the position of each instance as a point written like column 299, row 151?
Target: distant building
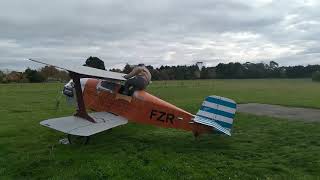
column 200, row 65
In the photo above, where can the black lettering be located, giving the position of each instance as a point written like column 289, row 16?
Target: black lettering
column 160, row 118
column 153, row 113
column 170, row 117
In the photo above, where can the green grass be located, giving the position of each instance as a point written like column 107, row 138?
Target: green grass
column 260, row 148
column 287, row 92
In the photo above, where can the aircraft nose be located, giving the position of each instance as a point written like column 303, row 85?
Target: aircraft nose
column 68, row 89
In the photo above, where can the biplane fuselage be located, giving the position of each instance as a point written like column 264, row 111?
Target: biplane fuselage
column 113, row 109
column 141, row 107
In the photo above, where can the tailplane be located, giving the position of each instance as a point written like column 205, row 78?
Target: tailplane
column 217, row 112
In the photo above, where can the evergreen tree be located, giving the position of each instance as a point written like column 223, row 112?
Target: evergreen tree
column 95, row 62
column 34, row 76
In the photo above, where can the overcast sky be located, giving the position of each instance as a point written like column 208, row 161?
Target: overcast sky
column 159, row 32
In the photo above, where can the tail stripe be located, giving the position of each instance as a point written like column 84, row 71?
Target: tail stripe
column 216, row 111
column 218, row 106
column 221, row 123
column 212, row 124
column 215, row 117
column 221, row 102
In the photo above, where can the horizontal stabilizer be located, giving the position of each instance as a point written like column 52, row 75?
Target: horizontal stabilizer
column 82, row 127
column 211, row 123
column 85, row 70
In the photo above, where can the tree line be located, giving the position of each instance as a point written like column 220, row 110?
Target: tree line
column 183, row 72
column 45, row 74
column 229, row 71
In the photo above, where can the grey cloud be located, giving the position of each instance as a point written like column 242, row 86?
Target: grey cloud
column 311, row 51
column 158, row 32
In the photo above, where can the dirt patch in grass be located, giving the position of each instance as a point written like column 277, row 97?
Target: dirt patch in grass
column 291, row 113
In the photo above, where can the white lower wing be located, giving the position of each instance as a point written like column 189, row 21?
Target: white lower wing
column 81, row 127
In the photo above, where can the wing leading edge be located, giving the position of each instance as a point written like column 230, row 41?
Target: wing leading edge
column 84, row 70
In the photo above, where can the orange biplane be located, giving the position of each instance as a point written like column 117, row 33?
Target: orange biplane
column 101, row 92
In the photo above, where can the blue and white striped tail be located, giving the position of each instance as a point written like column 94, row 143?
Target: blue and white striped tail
column 217, row 112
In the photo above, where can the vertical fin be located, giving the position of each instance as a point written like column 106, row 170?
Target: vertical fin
column 217, row 112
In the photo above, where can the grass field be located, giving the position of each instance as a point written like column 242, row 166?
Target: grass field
column 260, row 148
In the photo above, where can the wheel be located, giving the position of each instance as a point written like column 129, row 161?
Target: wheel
column 73, row 139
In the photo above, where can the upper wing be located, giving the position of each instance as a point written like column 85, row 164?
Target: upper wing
column 86, row 71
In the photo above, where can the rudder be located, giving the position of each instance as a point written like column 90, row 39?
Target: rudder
column 217, row 112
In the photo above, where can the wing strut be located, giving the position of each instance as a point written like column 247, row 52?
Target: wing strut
column 81, row 111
